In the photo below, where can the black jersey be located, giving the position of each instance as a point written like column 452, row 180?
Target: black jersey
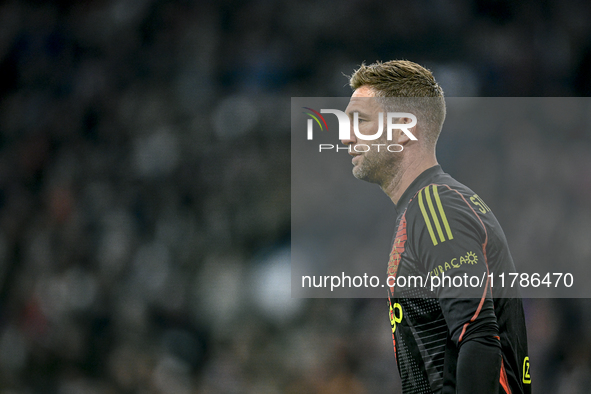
column 445, row 231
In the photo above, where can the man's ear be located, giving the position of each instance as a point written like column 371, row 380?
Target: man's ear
column 402, row 136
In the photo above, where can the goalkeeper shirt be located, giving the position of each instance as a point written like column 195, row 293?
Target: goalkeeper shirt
column 455, row 332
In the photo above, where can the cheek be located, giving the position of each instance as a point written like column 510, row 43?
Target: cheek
column 370, row 128
column 383, row 139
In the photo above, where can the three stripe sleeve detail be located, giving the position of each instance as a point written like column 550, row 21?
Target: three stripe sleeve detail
column 431, row 215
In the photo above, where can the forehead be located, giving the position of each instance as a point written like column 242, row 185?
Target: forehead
column 363, row 91
column 362, row 100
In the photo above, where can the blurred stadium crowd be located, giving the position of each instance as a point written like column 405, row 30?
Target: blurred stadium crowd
column 145, row 186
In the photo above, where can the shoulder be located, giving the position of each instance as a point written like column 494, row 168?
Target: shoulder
column 444, row 210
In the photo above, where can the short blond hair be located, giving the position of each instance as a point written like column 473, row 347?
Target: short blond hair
column 405, row 86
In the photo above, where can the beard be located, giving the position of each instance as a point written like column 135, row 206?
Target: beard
column 377, row 167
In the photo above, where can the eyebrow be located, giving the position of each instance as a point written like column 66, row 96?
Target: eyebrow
column 361, row 113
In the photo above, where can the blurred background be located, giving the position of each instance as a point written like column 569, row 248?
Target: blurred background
column 145, row 186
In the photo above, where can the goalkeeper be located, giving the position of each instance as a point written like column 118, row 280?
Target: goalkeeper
column 447, row 339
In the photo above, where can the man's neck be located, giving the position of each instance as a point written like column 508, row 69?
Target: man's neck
column 408, row 172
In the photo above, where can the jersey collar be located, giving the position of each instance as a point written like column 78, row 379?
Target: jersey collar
column 424, row 179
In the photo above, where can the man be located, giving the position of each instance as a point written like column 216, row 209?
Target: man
column 447, row 338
